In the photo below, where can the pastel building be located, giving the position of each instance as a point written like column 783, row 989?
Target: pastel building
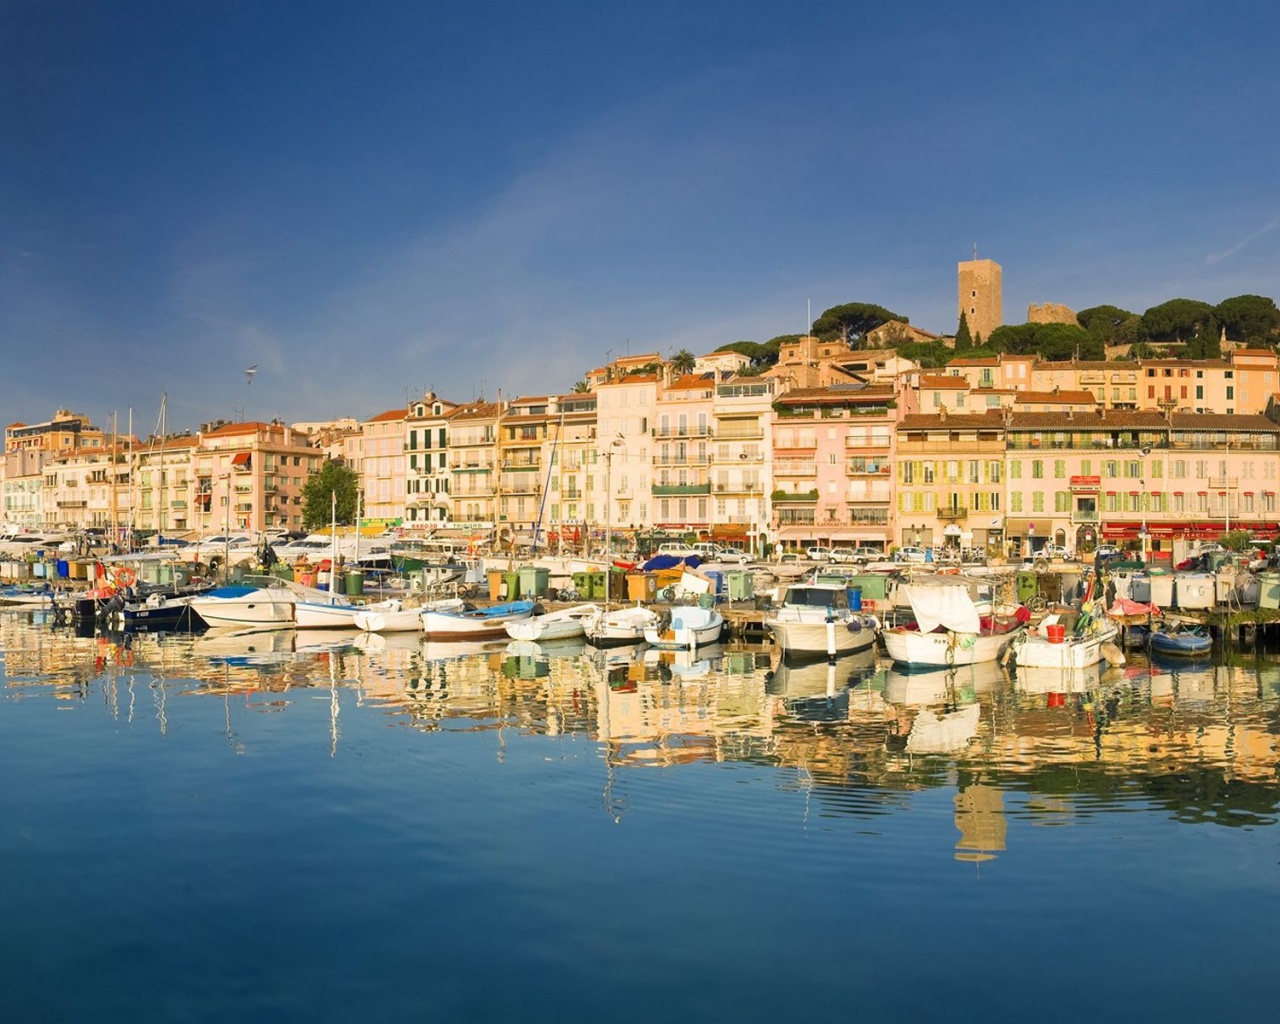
column 832, row 466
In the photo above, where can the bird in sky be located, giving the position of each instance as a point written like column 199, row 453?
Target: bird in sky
column 250, row 372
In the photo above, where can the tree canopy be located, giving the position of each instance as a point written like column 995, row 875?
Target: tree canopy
column 1109, row 324
column 683, row 361
column 1176, row 320
column 964, row 340
column 1251, row 318
column 1054, row 342
column 852, row 320
column 331, row 478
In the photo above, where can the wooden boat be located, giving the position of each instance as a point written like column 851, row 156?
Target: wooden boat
column 1039, row 649
column 690, row 627
column 474, row 624
column 394, row 616
column 948, row 629
column 1181, row 641
column 815, row 619
column 620, row 626
column 559, row 625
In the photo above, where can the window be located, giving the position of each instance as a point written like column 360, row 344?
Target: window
column 1037, row 469
column 1231, row 392
column 1199, row 392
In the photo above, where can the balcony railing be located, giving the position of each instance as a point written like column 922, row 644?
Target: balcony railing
column 780, row 497
column 953, row 512
column 1082, row 515
column 669, row 489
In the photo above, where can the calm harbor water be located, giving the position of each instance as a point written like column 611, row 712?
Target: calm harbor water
column 315, row 827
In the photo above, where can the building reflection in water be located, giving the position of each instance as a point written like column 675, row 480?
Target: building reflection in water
column 858, row 736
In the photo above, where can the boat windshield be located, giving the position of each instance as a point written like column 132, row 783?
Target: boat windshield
column 817, row 597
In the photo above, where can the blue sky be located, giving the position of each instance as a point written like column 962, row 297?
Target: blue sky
column 366, row 200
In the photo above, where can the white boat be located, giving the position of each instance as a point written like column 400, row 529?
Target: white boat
column 948, row 629
column 815, row 619
column 691, row 627
column 393, row 616
column 263, row 602
column 29, row 595
column 558, row 625
column 475, row 624
column 620, row 625
column 1039, row 649
column 317, row 609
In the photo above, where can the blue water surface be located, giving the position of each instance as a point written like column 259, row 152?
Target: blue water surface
column 336, row 834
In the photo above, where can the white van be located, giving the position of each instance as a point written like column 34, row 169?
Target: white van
column 707, row 551
column 678, row 549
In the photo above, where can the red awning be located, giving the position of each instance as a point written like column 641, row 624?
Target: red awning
column 241, row 458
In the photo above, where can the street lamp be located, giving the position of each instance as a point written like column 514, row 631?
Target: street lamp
column 617, row 442
column 1143, row 452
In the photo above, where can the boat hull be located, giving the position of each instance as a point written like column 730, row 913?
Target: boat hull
column 561, row 625
column 623, row 626
column 1034, row 651
column 245, row 607
column 946, row 648
column 483, row 624
column 806, row 636
column 690, row 628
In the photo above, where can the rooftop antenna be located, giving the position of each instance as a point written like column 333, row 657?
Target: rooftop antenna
column 808, row 317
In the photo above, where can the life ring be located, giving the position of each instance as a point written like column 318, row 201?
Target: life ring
column 125, row 577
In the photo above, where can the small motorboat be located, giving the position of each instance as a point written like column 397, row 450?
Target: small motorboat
column 1181, row 641
column 475, row 624
column 559, row 625
column 620, row 626
column 690, row 628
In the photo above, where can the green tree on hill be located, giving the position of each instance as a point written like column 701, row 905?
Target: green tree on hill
column 1251, row 318
column 964, row 341
column 1105, row 323
column 852, row 320
column 1176, row 320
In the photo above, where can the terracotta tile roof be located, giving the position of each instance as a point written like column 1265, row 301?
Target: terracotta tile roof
column 1211, row 364
column 1056, row 397
column 1253, row 352
column 989, row 420
column 385, row 417
column 473, row 411
column 232, row 429
column 838, row 394
column 944, row 382
column 1220, row 421
column 983, row 361
column 1094, row 419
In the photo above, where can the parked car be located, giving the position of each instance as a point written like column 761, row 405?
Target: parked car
column 818, row 554
column 842, row 556
column 733, row 554
column 909, row 554
column 861, row 556
column 1054, row 551
column 1106, row 551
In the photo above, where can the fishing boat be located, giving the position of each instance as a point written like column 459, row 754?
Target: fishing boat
column 948, row 629
column 30, row 595
column 1051, row 646
column 1181, row 640
column 474, row 624
column 815, row 619
column 690, row 627
column 262, row 602
column 557, row 625
column 620, row 626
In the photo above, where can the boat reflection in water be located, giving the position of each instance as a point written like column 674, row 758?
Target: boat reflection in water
column 820, row 691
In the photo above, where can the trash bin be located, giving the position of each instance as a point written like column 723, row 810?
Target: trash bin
column 495, row 584
column 617, row 584
column 582, row 584
column 511, row 579
column 642, row 586
column 597, row 581
column 64, row 568
column 717, row 578
column 854, row 594
column 740, row 584
column 534, row 580
column 1027, row 586
column 355, row 583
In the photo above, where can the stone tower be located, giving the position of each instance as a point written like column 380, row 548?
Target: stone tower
column 980, row 297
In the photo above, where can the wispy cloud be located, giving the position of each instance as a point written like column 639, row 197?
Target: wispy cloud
column 1218, row 257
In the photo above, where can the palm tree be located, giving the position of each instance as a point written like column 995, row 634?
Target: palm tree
column 581, row 387
column 683, row 362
